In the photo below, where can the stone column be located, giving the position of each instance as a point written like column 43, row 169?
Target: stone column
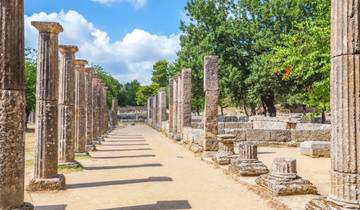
column 46, row 175
column 95, row 112
column 114, row 108
column 186, row 98
column 345, row 105
column 88, row 110
column 106, row 111
column 175, row 106
column 80, row 107
column 171, row 104
column 211, row 88
column 101, row 114
column 154, row 111
column 12, row 105
column 179, row 109
column 162, row 107
column 148, row 110
column 66, row 128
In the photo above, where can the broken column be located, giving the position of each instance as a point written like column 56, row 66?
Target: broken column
column 12, row 106
column 211, row 88
column 90, row 146
column 226, row 149
column 66, row 130
column 247, row 164
column 345, row 95
column 283, row 179
column 171, row 104
column 46, row 175
column 80, row 107
column 186, row 98
column 114, row 108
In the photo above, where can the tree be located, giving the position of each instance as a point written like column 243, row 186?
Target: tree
column 131, row 90
column 161, row 73
column 30, row 81
column 144, row 92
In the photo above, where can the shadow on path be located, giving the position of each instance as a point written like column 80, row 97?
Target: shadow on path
column 50, row 207
column 122, row 167
column 160, row 205
column 119, row 182
column 126, row 141
column 128, row 156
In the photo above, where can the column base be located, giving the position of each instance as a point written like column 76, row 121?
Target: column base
column 223, row 158
column 73, row 164
column 81, row 154
column 211, row 145
column 49, row 184
column 25, row 206
column 326, row 204
column 90, row 148
column 248, row 168
column 282, row 186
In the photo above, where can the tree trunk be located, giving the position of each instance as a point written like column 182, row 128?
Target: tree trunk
column 245, row 110
column 222, row 111
column 323, row 117
column 269, row 101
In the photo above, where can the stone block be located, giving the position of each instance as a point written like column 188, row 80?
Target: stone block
column 258, row 135
column 305, row 135
column 280, row 135
column 47, row 184
column 315, row 148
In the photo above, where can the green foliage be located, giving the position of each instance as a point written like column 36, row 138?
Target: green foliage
column 131, row 89
column 144, row 92
column 161, row 73
column 30, row 80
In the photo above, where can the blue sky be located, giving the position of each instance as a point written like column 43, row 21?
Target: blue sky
column 124, row 36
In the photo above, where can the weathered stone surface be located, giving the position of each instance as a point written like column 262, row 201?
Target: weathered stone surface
column 89, row 109
column 179, row 108
column 225, row 149
column 186, row 97
column 114, row 108
column 46, row 131
column 306, row 135
column 175, row 106
column 171, row 104
column 280, row 135
column 48, row 184
column 80, row 106
column 96, row 109
column 12, row 105
column 258, row 135
column 315, row 148
column 247, row 164
column 161, row 107
column 66, row 103
column 12, row 144
column 211, row 89
column 283, row 179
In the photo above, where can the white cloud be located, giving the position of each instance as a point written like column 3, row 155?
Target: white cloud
column 128, row 58
column 137, row 3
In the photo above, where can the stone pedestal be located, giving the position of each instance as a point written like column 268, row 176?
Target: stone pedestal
column 226, row 149
column 211, row 88
column 80, row 107
column 315, row 149
column 283, row 179
column 67, row 105
column 345, row 96
column 46, row 175
column 247, row 164
column 12, row 106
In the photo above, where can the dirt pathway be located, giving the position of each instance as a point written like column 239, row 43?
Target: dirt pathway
column 140, row 169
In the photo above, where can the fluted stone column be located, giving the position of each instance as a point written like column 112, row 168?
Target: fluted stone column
column 154, row 111
column 95, row 113
column 211, row 88
column 105, row 111
column 66, row 128
column 148, row 105
column 89, row 110
column 186, row 98
column 161, row 107
column 46, row 175
column 171, row 104
column 179, row 109
column 175, row 106
column 101, row 111
column 345, row 105
column 80, row 107
column 12, row 105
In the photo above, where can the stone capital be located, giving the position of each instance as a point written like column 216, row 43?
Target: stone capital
column 80, row 62
column 65, row 49
column 89, row 70
column 47, row 27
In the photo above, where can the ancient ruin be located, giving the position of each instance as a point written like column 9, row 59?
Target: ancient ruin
column 90, row 146
column 211, row 88
column 46, row 175
column 225, row 149
column 80, row 107
column 283, row 179
column 67, row 105
column 248, row 164
column 12, row 106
